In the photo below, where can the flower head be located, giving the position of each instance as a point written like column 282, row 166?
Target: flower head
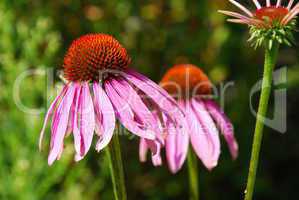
column 100, row 88
column 270, row 22
column 204, row 120
column 91, row 54
column 183, row 81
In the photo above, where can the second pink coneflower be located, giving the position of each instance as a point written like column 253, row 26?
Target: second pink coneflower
column 189, row 85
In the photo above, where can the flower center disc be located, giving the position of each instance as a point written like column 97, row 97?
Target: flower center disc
column 271, row 13
column 183, row 81
column 91, row 54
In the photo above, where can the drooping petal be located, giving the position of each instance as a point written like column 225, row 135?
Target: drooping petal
column 159, row 97
column 176, row 146
column 125, row 114
column 127, row 92
column 60, row 153
column 203, row 134
column 225, row 126
column 59, row 124
column 160, row 128
column 170, row 149
column 70, row 125
column 140, row 79
column 105, row 116
column 143, row 149
column 76, row 128
column 50, row 113
column 154, row 146
column 84, row 122
column 87, row 123
column 156, row 157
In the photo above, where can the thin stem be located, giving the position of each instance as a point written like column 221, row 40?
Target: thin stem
column 270, row 60
column 116, row 168
column 193, row 176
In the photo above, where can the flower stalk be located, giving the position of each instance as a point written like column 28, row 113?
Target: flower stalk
column 270, row 60
column 193, row 176
column 116, row 168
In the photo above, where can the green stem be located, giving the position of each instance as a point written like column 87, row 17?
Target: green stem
column 193, row 175
column 116, row 168
column 270, row 60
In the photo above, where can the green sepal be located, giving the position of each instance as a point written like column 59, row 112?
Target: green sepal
column 268, row 36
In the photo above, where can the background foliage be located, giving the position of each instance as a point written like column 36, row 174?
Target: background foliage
column 35, row 34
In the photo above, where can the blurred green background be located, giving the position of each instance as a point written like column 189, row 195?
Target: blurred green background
column 35, row 35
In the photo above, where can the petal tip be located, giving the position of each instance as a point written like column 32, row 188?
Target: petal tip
column 174, row 170
column 78, row 157
column 235, row 151
column 211, row 164
column 51, row 160
column 156, row 160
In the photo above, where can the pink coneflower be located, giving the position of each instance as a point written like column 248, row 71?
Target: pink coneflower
column 204, row 118
column 266, row 16
column 100, row 88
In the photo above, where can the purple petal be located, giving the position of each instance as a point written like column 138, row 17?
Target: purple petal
column 87, row 123
column 60, row 153
column 166, row 103
column 105, row 117
column 143, row 149
column 84, row 122
column 176, row 147
column 49, row 114
column 135, row 76
column 76, row 129
column 154, row 146
column 203, row 133
column 126, row 91
column 224, row 125
column 170, row 148
column 125, row 114
column 59, row 125
column 156, row 154
column 160, row 136
column 70, row 125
